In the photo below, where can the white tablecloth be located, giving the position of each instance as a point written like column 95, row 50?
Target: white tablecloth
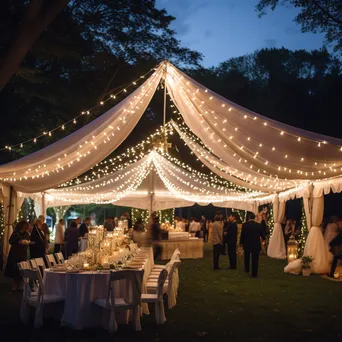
column 178, row 235
column 191, row 248
column 80, row 291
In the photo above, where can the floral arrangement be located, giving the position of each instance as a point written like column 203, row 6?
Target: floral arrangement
column 306, row 261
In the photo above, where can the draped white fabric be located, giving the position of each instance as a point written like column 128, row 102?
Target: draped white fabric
column 255, row 145
column 81, row 150
column 10, row 214
column 276, row 247
column 216, row 164
column 315, row 245
column 151, row 182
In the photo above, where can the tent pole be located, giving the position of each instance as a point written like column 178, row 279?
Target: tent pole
column 9, row 206
column 7, row 225
column 151, row 192
column 164, row 112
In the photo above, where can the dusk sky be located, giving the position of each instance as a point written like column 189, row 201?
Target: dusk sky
column 221, row 29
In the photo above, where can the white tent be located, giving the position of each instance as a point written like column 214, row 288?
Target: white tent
column 152, row 183
column 245, row 148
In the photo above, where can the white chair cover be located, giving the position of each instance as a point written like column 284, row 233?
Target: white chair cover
column 59, row 257
column 50, row 260
column 172, row 289
column 159, row 305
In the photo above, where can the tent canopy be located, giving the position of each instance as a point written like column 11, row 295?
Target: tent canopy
column 152, row 183
column 250, row 150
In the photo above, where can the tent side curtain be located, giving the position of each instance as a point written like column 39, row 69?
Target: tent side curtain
column 246, row 140
column 81, row 150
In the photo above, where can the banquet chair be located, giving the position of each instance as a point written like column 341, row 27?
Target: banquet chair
column 50, row 260
column 59, row 257
column 157, row 268
column 38, row 264
column 170, row 286
column 157, row 298
column 134, row 279
column 175, row 256
column 24, row 265
column 35, row 299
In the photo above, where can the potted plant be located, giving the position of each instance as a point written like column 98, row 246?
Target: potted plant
column 306, row 265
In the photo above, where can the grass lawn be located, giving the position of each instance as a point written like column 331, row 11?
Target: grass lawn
column 220, row 305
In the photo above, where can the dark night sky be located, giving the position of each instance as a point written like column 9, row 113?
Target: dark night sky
column 221, row 29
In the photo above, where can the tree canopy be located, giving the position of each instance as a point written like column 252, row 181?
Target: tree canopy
column 323, row 16
column 89, row 50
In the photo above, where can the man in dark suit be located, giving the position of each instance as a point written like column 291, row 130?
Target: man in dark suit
column 84, row 227
column 230, row 232
column 250, row 237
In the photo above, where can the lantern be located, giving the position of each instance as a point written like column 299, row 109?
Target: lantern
column 292, row 249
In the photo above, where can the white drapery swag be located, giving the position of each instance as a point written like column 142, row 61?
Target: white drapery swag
column 172, row 187
column 276, row 247
column 315, row 245
column 10, row 215
column 236, row 135
column 81, row 150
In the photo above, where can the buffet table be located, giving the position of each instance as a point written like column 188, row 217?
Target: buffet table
column 190, row 248
column 178, row 235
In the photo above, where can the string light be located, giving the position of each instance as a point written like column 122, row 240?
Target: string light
column 85, row 148
column 74, row 120
column 191, row 103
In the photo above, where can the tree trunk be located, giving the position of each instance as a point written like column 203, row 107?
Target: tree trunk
column 39, row 15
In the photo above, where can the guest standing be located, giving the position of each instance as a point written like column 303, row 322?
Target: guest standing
column 336, row 250
column 230, row 239
column 156, row 237
column 203, row 223
column 71, row 236
column 194, row 227
column 38, row 249
column 46, row 230
column 330, row 232
column 108, row 224
column 19, row 241
column 84, row 227
column 217, row 241
column 210, row 231
column 250, row 237
column 59, row 237
column 138, row 226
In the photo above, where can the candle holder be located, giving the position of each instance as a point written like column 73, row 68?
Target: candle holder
column 292, row 249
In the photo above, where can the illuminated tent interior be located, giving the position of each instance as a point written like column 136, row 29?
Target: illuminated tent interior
column 269, row 162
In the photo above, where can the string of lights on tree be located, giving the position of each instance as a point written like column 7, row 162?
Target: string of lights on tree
column 75, row 120
column 166, row 215
column 270, row 219
column 27, row 211
column 303, row 232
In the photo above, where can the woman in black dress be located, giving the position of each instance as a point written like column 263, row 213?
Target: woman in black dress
column 38, row 249
column 19, row 242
